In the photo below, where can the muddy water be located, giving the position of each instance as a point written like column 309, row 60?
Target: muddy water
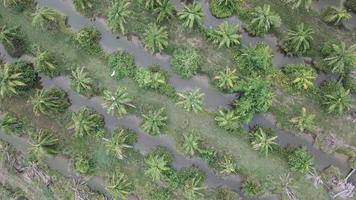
column 4, row 55
column 145, row 143
column 110, row 43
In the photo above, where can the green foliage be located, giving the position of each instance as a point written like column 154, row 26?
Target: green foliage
column 27, row 74
column 9, row 82
column 191, row 181
column 154, row 121
column 121, row 141
column 122, row 64
column 298, row 3
column 298, row 40
column 228, row 166
column 262, row 141
column 49, row 19
column 252, row 188
column 191, row 144
column 151, row 4
column 186, row 62
column 11, row 124
column 303, row 121
column 85, row 7
column 351, row 4
column 87, row 122
column 165, row 10
column 225, row 35
column 156, row 166
column 154, row 78
column 227, row 119
column 12, row 39
column 191, row 15
column 222, row 8
column 81, row 82
column 82, row 164
column 120, row 186
column 161, row 193
column 155, row 37
column 301, row 76
column 50, row 102
column 18, row 5
column 255, row 61
column 43, row 143
column 45, row 63
column 334, row 98
column 222, row 193
column 335, row 16
column 226, row 80
column 117, row 103
column 341, row 59
column 262, row 19
column 350, row 82
column 88, row 38
column 300, row 161
column 118, row 14
column 191, row 100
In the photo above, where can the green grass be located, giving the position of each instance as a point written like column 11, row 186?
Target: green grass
column 251, row 162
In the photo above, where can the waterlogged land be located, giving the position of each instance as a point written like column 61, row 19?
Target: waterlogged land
column 219, row 158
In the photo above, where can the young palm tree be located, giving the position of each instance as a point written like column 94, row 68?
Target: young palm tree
column 118, row 102
column 87, row 122
column 49, row 102
column 225, row 35
column 262, row 142
column 297, row 3
column 164, row 10
column 226, row 79
column 119, row 186
column 192, row 15
column 298, row 41
column 46, row 18
column 227, row 119
column 82, row 82
column 9, row 82
column 192, row 188
column 118, row 14
column 342, row 58
column 262, row 19
column 11, row 124
column 191, row 100
column 335, row 16
column 157, row 80
column 155, row 37
column 43, row 143
column 191, row 144
column 45, row 63
column 119, row 143
column 228, row 166
column 153, row 121
column 8, row 35
column 303, row 121
column 151, row 4
column 157, row 165
column 338, row 102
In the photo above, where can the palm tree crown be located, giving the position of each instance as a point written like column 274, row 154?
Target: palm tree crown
column 262, row 142
column 156, row 166
column 263, row 19
column 87, row 122
column 118, row 14
column 297, row 3
column 119, row 186
column 298, row 40
column 227, row 119
column 335, row 16
column 191, row 144
column 225, row 35
column 153, row 121
column 7, row 35
column 43, row 143
column 226, row 79
column 81, row 82
column 51, row 101
column 165, row 10
column 191, row 15
column 119, row 143
column 45, row 63
column 191, row 100
column 9, row 82
column 342, row 58
column 155, row 37
column 118, row 102
column 47, row 18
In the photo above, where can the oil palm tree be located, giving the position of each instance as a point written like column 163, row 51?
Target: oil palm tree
column 191, row 100
column 225, row 35
column 45, row 63
column 335, row 16
column 262, row 19
column 43, row 143
column 8, row 35
column 228, row 166
column 338, row 102
column 192, row 188
column 46, row 18
column 151, row 4
column 49, row 102
column 9, row 82
column 342, row 58
column 118, row 102
column 226, row 79
column 118, row 15
column 191, row 144
column 155, row 37
column 303, row 121
column 119, row 186
column 262, row 142
column 157, row 80
column 119, row 143
column 154, row 121
column 82, row 82
column 191, row 15
column 298, row 3
column 11, row 124
column 164, row 10
column 298, row 40
column 227, row 119
column 87, row 122
column 156, row 166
